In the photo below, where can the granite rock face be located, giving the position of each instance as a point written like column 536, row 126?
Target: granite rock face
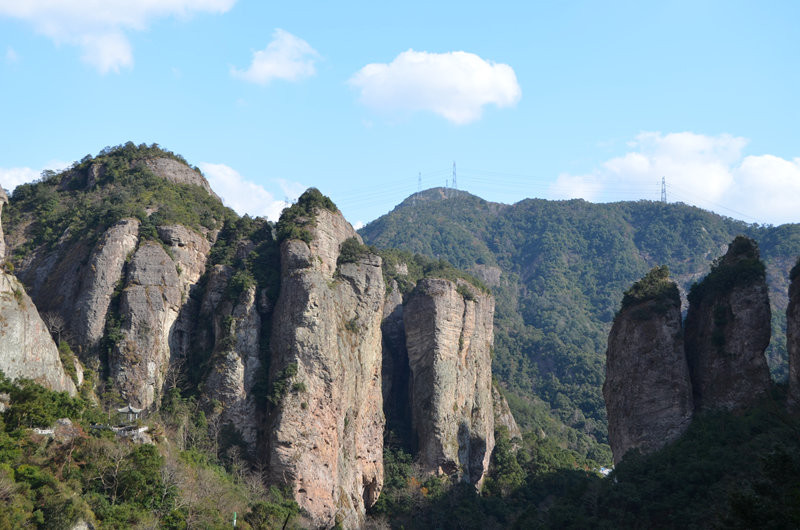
column 176, row 172
column 793, row 339
column 647, row 389
column 728, row 330
column 503, row 416
column 326, row 429
column 236, row 361
column 98, row 281
column 3, row 200
column 26, row 348
column 149, row 306
column 449, row 337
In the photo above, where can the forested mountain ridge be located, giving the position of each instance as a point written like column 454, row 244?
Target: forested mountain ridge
column 563, row 266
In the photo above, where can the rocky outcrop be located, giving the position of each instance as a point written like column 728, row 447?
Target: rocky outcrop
column 176, row 172
column 326, row 429
column 449, row 337
column 156, row 311
column 503, row 416
column 3, row 200
column 793, row 339
column 647, row 389
column 98, row 280
column 728, row 329
column 149, row 306
column 26, row 347
column 236, row 360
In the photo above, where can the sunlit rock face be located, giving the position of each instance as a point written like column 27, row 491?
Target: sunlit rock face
column 449, row 337
column 326, row 432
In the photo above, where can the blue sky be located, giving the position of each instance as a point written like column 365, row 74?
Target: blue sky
column 531, row 99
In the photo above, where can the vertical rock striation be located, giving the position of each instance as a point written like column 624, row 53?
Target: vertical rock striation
column 449, row 337
column 728, row 330
column 98, row 281
column 236, row 361
column 326, row 429
column 26, row 347
column 503, row 416
column 793, row 338
column 647, row 389
column 149, row 306
column 3, row 200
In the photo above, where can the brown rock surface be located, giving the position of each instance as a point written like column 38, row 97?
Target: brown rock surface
column 26, row 347
column 326, row 432
column 647, row 389
column 98, row 281
column 449, row 339
column 727, row 331
column 236, row 361
column 176, row 172
column 503, row 416
column 149, row 306
column 3, row 200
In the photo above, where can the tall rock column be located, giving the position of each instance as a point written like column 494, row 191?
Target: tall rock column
column 3, row 200
column 647, row 389
column 728, row 329
column 449, row 339
column 793, row 338
column 149, row 307
column 326, row 429
column 236, row 361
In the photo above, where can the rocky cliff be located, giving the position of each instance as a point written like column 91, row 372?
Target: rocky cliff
column 326, row 438
column 647, row 388
column 158, row 286
column 175, row 171
column 3, row 201
column 88, row 306
column 728, row 330
column 26, row 347
column 793, row 338
column 236, row 364
column 448, row 328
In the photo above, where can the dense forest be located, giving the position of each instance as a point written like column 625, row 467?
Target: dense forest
column 564, row 266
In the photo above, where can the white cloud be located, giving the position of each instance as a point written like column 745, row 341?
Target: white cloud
column 454, row 85
column 12, row 177
column 244, row 196
column 709, row 171
column 287, row 57
column 99, row 27
column 358, row 225
column 11, row 55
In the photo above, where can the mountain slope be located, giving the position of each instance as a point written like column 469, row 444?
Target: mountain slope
column 558, row 270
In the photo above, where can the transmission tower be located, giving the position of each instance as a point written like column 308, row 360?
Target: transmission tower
column 419, row 182
column 664, row 190
column 455, row 181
